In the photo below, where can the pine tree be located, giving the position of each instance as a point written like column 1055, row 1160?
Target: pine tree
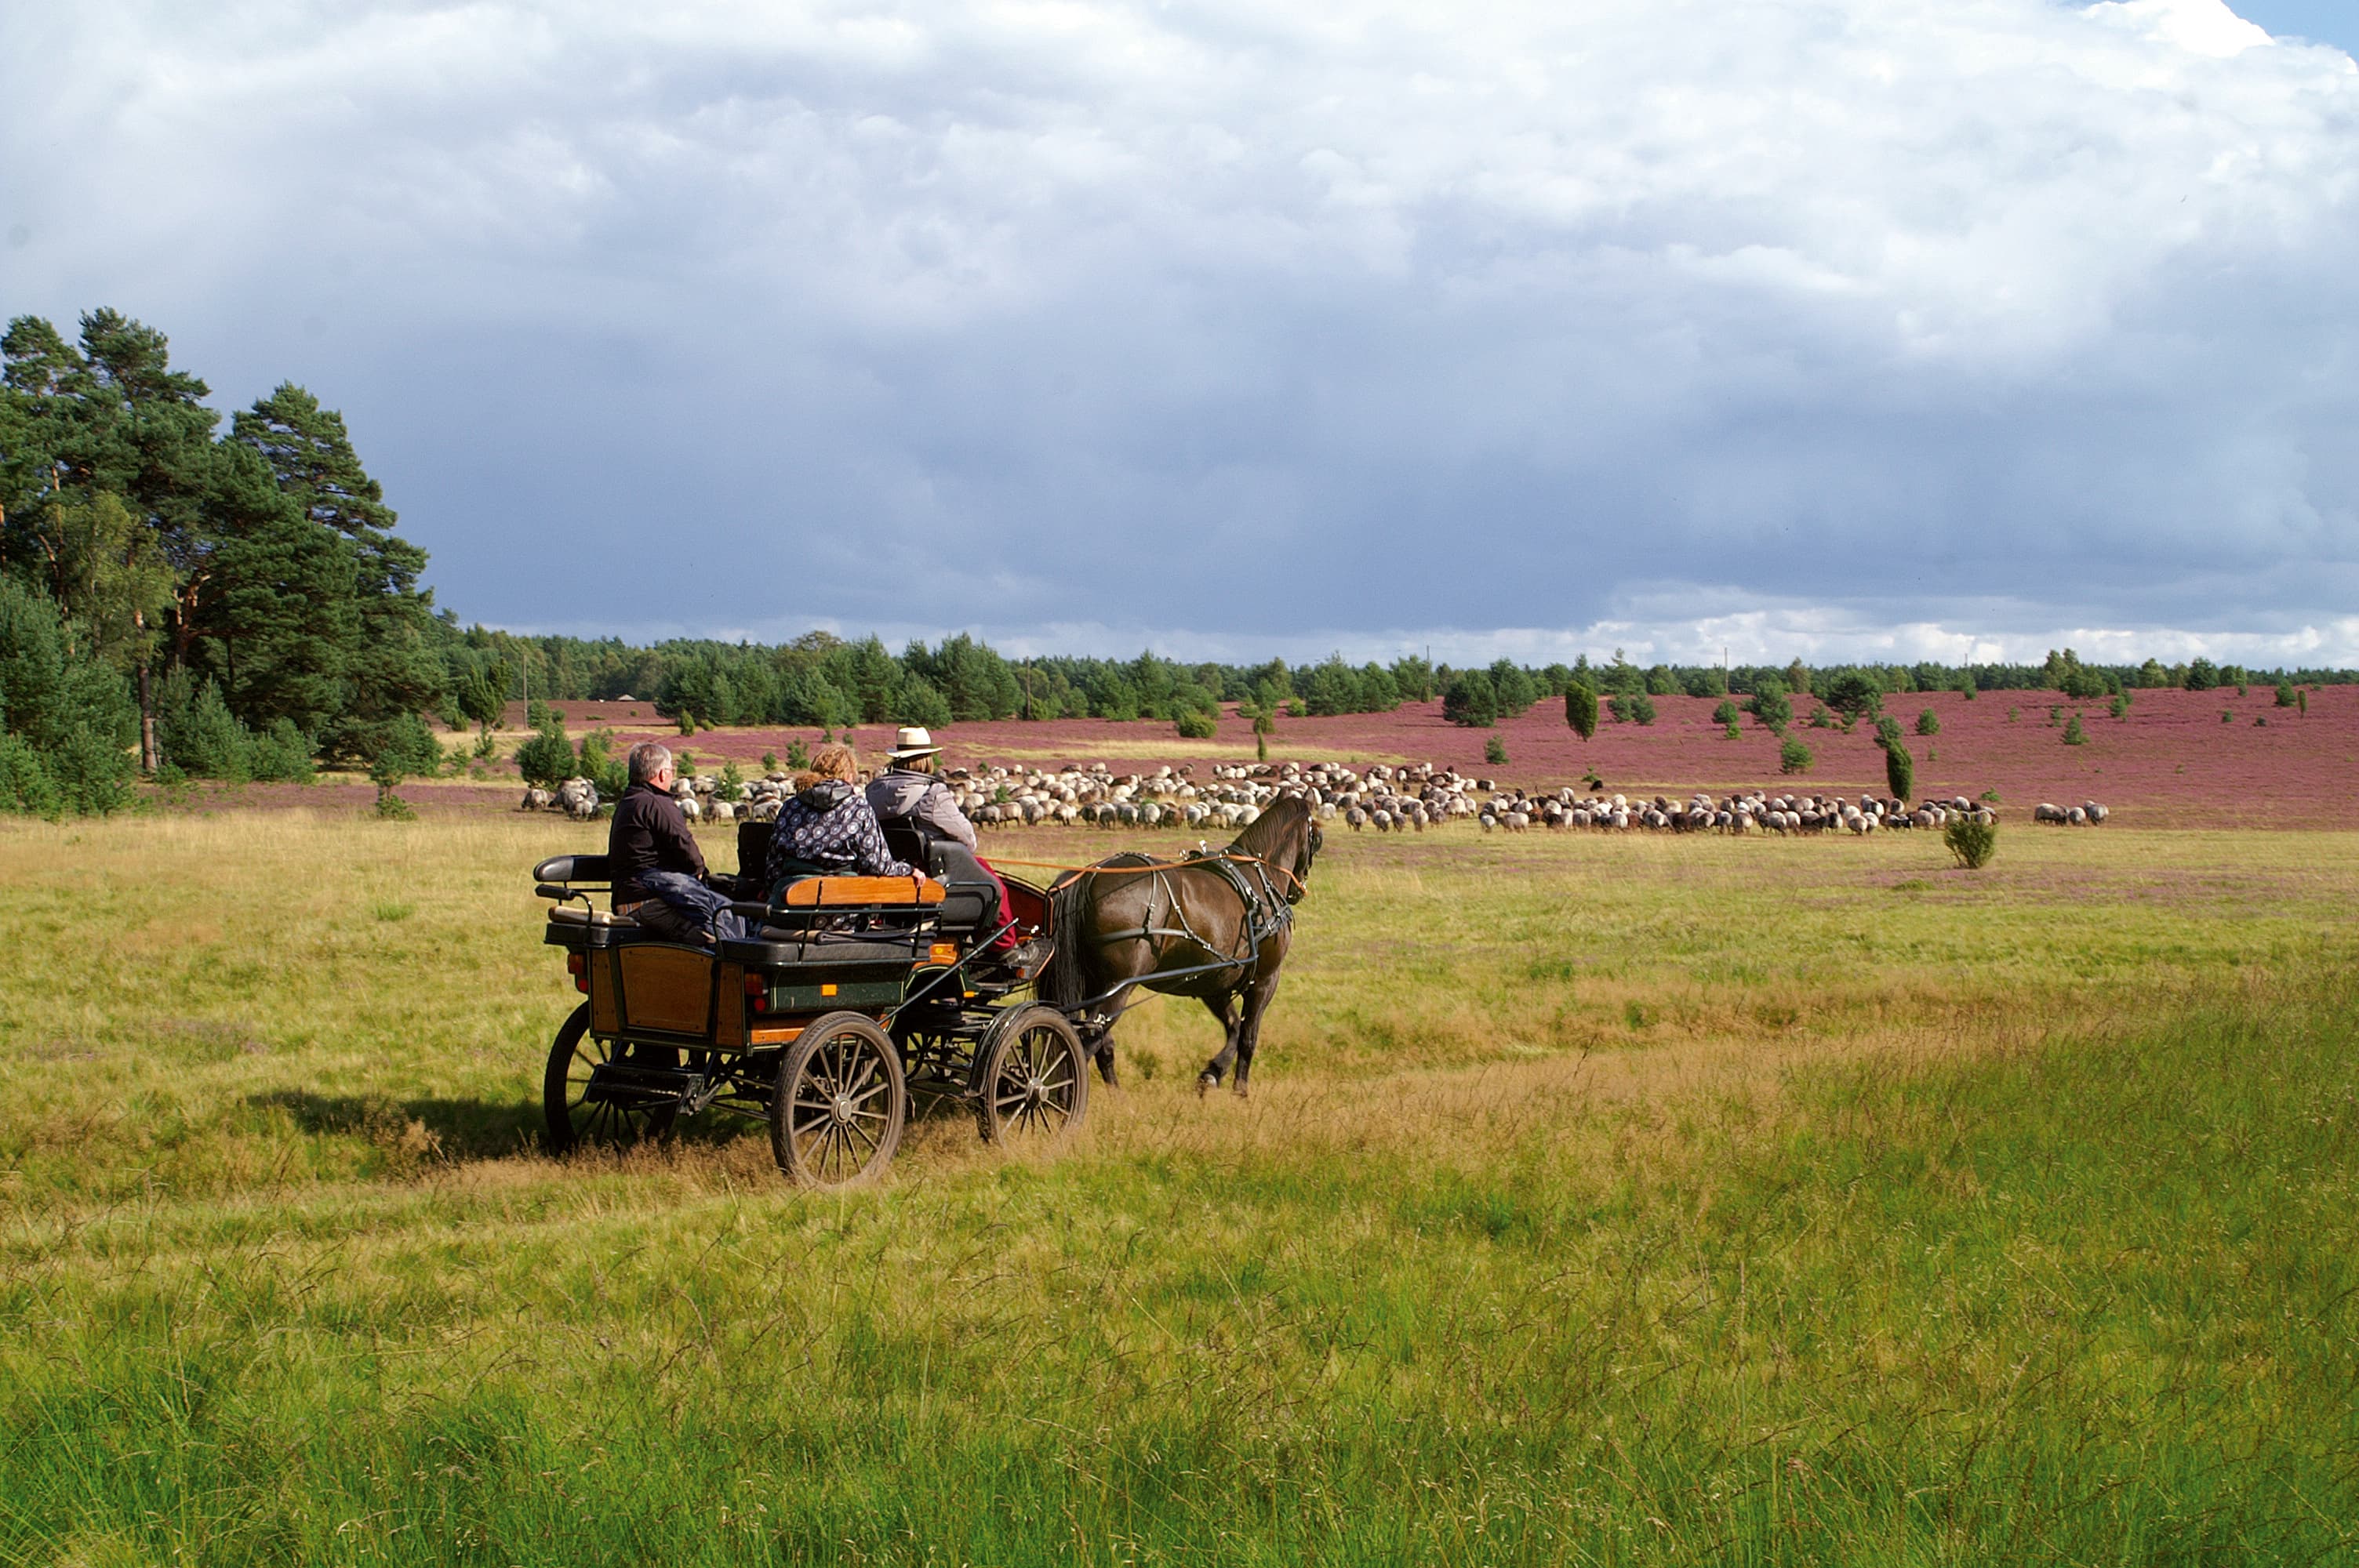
column 389, row 672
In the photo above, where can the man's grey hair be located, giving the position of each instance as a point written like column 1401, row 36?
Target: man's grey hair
column 648, row 757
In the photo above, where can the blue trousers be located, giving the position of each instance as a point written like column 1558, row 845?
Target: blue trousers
column 709, row 910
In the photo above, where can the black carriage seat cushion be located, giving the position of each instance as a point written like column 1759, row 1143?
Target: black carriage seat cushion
column 753, row 849
column 571, row 868
column 772, row 947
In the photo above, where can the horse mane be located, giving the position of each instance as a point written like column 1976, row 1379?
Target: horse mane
column 1268, row 833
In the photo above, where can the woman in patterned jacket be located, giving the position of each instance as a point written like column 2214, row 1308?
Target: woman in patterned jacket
column 828, row 824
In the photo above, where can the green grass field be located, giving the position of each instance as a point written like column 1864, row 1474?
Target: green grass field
column 1650, row 1200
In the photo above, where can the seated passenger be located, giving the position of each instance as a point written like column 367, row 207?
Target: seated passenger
column 657, row 871
column 826, row 827
column 908, row 792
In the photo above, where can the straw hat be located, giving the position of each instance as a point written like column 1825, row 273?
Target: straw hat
column 912, row 741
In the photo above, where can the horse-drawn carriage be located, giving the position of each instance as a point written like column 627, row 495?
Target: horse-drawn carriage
column 853, row 995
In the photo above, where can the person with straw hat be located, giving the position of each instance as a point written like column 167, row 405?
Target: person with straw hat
column 909, row 791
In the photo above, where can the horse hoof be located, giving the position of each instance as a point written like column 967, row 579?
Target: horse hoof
column 1239, row 1091
column 1205, row 1083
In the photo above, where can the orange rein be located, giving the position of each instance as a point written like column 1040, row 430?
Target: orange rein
column 1105, row 871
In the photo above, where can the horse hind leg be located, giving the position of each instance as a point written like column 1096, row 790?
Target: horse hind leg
column 1248, row 1031
column 1225, row 1010
column 1101, row 1048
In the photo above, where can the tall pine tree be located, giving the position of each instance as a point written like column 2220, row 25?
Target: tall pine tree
column 390, row 669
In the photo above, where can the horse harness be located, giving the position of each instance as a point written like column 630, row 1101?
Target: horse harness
column 1268, row 912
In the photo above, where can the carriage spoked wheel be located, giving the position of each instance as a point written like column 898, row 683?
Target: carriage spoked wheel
column 1033, row 1088
column 838, row 1107
column 584, row 1105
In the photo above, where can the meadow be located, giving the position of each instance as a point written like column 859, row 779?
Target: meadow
column 1600, row 1200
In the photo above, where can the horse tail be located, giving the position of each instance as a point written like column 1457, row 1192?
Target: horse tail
column 1063, row 984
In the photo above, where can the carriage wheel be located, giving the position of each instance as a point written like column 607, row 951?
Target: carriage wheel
column 837, row 1109
column 572, row 1117
column 1034, row 1090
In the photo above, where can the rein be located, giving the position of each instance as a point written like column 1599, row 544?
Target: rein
column 1102, row 870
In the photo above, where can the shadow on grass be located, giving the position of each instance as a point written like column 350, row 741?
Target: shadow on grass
column 455, row 1128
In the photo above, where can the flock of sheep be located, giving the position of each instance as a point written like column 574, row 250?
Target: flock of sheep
column 1407, row 798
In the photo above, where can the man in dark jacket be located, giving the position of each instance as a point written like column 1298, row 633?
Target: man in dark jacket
column 657, row 871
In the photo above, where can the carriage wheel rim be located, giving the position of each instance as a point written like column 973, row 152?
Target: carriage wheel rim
column 1032, row 1093
column 835, row 1129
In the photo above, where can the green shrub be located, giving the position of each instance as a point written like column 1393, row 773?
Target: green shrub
column 1726, row 714
column 770, row 759
column 283, row 756
column 1297, row 708
column 1928, row 723
column 195, row 728
column 797, row 757
column 1974, row 843
column 2227, row 717
column 1899, row 770
column 1494, row 750
column 546, row 759
column 65, row 706
column 1581, row 709
column 27, row 785
column 1771, row 706
column 1631, row 707
column 601, row 767
column 2073, row 734
column 1793, row 757
column 1470, row 699
column 1732, row 732
column 1194, row 724
column 1821, row 719
column 2121, row 705
column 2285, row 694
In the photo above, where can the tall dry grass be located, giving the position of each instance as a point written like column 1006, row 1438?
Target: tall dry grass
column 1680, row 1200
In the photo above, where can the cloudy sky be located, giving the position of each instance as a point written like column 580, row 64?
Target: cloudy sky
column 1836, row 328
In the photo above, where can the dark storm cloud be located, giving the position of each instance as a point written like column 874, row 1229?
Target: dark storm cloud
column 1824, row 326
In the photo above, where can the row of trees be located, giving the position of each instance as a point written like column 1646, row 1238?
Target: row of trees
column 176, row 595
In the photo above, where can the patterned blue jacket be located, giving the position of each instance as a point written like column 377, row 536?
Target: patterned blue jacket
column 830, row 825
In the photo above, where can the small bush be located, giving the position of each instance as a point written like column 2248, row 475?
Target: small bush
column 1793, row 757
column 1821, row 719
column 2227, row 717
column 1928, row 723
column 2013, row 714
column 2285, row 694
column 1581, row 709
column 2073, row 734
column 391, row 807
column 797, row 757
column 2121, row 707
column 1726, row 713
column 546, row 759
column 601, row 767
column 1494, row 750
column 1899, row 770
column 770, row 759
column 281, row 754
column 1194, row 724
column 1639, row 708
column 1974, row 843
column 1732, row 732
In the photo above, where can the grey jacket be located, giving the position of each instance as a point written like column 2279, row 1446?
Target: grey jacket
column 900, row 793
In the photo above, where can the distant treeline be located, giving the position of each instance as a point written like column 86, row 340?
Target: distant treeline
column 819, row 680
column 178, row 598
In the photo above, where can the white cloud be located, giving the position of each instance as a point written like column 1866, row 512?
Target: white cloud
column 1992, row 315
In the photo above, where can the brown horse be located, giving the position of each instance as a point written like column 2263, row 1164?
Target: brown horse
column 1212, row 926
